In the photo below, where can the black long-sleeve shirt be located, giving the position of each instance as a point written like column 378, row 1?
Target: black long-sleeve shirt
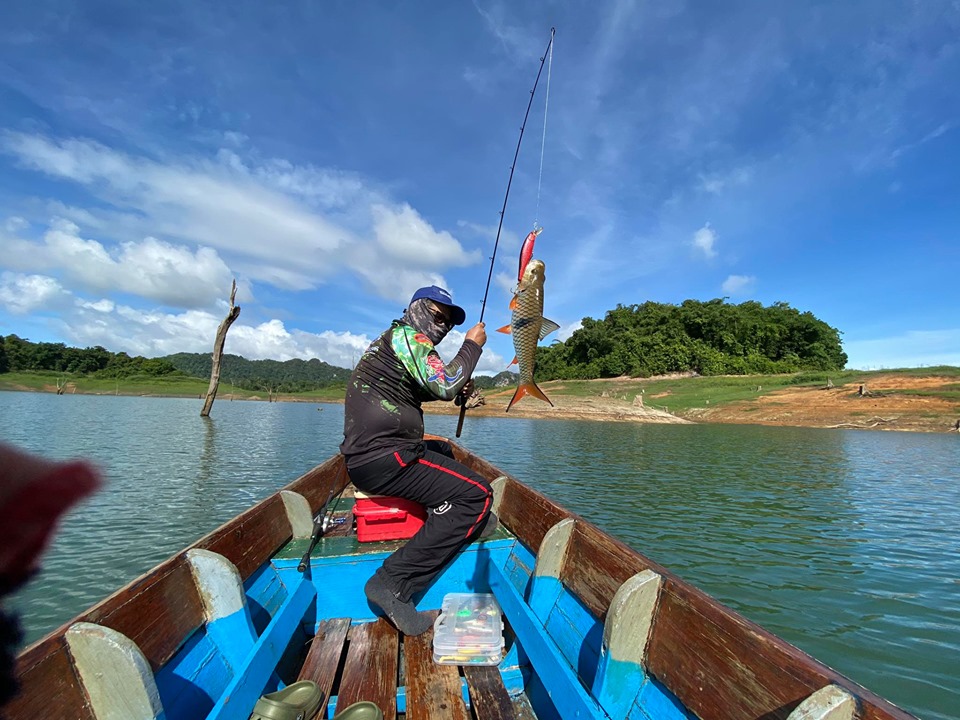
column 396, row 374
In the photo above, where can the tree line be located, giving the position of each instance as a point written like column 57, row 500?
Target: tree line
column 21, row 355
column 710, row 338
column 287, row 376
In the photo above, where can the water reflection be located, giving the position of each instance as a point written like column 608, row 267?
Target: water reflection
column 843, row 542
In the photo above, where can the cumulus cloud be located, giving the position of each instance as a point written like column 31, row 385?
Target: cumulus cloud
column 704, row 239
column 150, row 268
column 22, row 294
column 290, row 226
column 155, row 333
column 14, row 224
column 739, row 284
column 566, row 331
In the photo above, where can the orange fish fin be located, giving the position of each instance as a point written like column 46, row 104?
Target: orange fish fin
column 513, row 303
column 505, row 329
column 514, row 361
column 530, row 389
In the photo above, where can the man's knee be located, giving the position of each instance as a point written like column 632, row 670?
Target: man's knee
column 439, row 446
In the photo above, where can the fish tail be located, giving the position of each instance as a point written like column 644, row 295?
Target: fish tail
column 525, row 389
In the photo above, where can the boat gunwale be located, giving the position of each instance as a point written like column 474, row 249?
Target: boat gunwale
column 613, row 561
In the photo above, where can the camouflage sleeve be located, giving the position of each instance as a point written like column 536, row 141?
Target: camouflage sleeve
column 424, row 364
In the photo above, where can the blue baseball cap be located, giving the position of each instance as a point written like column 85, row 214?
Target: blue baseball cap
column 439, row 295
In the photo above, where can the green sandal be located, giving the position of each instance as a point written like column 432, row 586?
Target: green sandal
column 365, row 710
column 298, row 701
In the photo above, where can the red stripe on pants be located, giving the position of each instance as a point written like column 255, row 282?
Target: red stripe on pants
column 486, row 503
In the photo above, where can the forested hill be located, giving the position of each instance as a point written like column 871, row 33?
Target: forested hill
column 287, row 376
column 710, row 338
column 21, row 355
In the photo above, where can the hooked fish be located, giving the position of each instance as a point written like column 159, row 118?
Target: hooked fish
column 528, row 326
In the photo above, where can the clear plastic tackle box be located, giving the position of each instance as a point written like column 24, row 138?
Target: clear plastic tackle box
column 468, row 631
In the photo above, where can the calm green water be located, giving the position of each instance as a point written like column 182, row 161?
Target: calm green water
column 845, row 543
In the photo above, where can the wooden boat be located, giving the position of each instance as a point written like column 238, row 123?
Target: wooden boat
column 593, row 629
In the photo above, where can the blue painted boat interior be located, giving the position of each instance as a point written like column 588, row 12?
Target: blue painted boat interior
column 553, row 642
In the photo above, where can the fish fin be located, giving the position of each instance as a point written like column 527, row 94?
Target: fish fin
column 531, row 389
column 513, row 303
column 547, row 327
column 514, row 361
column 505, row 329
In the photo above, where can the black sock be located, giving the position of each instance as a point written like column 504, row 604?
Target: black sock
column 403, row 615
column 493, row 522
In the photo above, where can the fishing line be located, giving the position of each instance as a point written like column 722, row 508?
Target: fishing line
column 543, row 141
column 506, row 196
column 513, row 166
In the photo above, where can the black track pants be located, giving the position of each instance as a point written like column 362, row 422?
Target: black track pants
column 458, row 503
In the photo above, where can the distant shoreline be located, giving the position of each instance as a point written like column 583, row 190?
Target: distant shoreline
column 925, row 400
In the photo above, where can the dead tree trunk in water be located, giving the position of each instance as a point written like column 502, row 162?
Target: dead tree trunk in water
column 218, row 352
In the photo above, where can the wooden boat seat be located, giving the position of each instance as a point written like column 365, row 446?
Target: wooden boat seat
column 362, row 662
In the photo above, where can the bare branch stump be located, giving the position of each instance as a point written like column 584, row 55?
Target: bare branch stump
column 218, row 352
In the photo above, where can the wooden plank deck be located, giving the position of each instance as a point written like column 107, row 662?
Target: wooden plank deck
column 488, row 694
column 323, row 659
column 433, row 690
column 370, row 670
column 369, row 655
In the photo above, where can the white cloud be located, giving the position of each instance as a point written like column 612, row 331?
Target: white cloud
column 704, row 239
column 490, row 362
column 566, row 331
column 22, row 294
column 15, row 224
column 154, row 333
column 403, row 235
column 515, row 40
column 289, row 226
column 152, row 269
column 717, row 183
column 739, row 284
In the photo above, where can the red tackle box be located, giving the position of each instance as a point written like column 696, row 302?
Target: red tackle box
column 383, row 517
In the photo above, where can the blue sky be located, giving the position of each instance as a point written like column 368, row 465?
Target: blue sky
column 334, row 156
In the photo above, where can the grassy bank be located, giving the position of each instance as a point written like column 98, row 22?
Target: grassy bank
column 675, row 394
column 682, row 394
column 144, row 385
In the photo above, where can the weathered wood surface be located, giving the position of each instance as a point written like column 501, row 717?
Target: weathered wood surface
column 721, row 665
column 706, row 654
column 50, row 687
column 370, row 670
column 488, row 694
column 597, row 565
column 316, row 484
column 323, row 657
column 160, row 609
column 433, row 691
column 528, row 514
column 251, row 538
column 217, row 356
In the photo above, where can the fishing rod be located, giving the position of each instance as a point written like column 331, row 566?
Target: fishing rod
column 483, row 306
column 319, row 527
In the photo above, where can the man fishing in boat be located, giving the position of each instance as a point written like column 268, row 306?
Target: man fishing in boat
column 386, row 454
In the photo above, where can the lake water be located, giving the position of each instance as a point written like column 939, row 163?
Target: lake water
column 845, row 543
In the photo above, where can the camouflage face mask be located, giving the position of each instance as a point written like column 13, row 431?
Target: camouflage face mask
column 422, row 316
